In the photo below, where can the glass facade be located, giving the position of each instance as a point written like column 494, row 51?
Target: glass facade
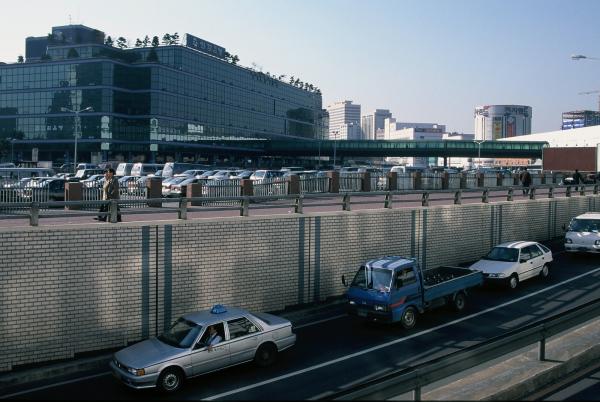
column 158, row 102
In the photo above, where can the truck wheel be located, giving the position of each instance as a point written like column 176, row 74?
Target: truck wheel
column 409, row 318
column 460, row 302
column 513, row 282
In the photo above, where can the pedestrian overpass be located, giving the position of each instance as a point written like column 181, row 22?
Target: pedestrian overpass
column 382, row 148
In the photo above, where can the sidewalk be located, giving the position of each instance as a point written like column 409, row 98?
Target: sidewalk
column 520, row 376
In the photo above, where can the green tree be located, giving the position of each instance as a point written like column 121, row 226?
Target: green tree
column 235, row 59
column 174, row 39
column 292, row 80
column 146, row 41
column 166, row 39
column 138, row 43
column 51, row 38
column 121, row 42
column 155, row 41
column 108, row 41
column 20, row 59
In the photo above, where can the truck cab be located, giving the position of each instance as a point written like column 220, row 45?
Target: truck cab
column 394, row 289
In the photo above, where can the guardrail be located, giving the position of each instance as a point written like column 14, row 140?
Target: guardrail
column 183, row 205
column 414, row 378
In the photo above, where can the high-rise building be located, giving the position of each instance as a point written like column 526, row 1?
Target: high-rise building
column 580, row 118
column 163, row 102
column 341, row 114
column 373, row 122
column 493, row 122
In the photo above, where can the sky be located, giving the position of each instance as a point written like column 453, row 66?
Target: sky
column 429, row 61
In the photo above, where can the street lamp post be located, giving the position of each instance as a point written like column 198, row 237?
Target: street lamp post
column 77, row 129
column 479, row 142
column 334, row 145
column 12, row 149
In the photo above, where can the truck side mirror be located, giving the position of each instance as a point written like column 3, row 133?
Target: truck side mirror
column 344, row 280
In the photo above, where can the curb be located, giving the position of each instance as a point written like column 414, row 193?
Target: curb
column 525, row 388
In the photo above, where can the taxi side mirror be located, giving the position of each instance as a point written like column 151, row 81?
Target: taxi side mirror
column 344, row 280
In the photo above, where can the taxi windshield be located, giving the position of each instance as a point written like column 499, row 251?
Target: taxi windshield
column 182, row 334
column 373, row 278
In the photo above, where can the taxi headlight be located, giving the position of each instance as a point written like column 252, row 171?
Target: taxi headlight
column 568, row 241
column 380, row 308
column 497, row 275
column 597, row 243
column 137, row 372
column 352, row 302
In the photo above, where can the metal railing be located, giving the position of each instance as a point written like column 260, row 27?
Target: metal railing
column 350, row 181
column 296, row 202
column 313, row 184
column 412, row 379
column 431, row 181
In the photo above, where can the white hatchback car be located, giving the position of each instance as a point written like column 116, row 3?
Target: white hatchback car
column 512, row 262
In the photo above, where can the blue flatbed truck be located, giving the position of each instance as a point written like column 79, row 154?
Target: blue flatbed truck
column 394, row 288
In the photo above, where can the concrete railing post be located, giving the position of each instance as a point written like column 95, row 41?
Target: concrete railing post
column 463, row 181
column 499, row 180
column 417, row 181
column 34, row 216
column 366, row 182
column 182, row 212
column 480, row 180
column 445, row 181
column 194, row 190
column 113, row 211
column 73, row 192
column 247, row 188
column 516, row 180
column 458, row 197
column 154, row 190
column 392, row 181
column 293, row 184
column 334, row 181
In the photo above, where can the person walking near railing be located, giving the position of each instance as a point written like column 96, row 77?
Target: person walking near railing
column 110, row 191
column 577, row 179
column 525, row 178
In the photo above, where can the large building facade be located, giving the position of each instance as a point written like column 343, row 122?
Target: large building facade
column 370, row 124
column 580, row 118
column 344, row 121
column 493, row 122
column 155, row 103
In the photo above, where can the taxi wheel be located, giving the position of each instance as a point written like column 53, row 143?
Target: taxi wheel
column 409, row 318
column 266, row 355
column 513, row 282
column 544, row 272
column 170, row 380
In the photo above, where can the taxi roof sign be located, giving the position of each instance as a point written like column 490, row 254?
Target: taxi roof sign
column 218, row 309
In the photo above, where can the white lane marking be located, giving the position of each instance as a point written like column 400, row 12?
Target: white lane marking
column 385, row 345
column 308, row 324
column 53, row 385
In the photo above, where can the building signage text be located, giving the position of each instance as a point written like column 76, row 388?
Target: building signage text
column 204, row 46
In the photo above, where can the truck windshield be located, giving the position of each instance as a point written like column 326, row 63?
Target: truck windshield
column 503, row 254
column 585, row 225
column 373, row 278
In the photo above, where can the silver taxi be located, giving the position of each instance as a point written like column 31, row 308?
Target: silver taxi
column 183, row 351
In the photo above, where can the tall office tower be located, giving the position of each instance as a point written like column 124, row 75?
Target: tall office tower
column 373, row 122
column 501, row 121
column 341, row 114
